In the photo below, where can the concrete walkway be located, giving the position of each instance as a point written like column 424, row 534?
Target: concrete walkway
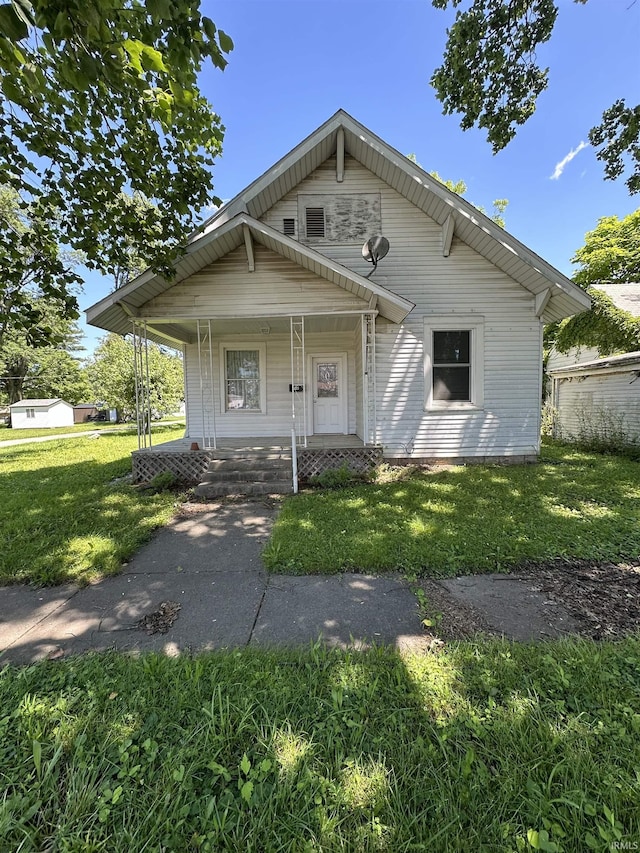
column 208, row 563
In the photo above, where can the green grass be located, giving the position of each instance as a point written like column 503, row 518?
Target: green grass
column 63, row 519
column 7, row 434
column 468, row 519
column 496, row 747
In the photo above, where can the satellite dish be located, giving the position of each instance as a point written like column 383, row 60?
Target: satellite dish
column 374, row 250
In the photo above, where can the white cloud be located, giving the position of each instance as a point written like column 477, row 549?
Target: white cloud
column 560, row 167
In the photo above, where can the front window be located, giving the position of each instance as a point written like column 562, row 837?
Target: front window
column 242, row 380
column 454, row 362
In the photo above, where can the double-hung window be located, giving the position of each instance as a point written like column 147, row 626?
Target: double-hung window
column 454, row 362
column 243, row 377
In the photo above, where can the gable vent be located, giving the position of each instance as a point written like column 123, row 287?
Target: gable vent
column 315, row 221
column 289, row 227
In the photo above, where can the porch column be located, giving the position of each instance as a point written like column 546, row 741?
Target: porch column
column 142, row 385
column 368, row 340
column 298, row 378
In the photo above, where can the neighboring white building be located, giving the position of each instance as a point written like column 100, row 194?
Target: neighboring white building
column 598, row 398
column 435, row 353
column 36, row 414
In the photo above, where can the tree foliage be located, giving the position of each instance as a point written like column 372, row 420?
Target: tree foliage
column 43, row 371
column 38, row 280
column 611, row 252
column 607, row 328
column 111, row 374
column 490, row 74
column 460, row 188
column 99, row 98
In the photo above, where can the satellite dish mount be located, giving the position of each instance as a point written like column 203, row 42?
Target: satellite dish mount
column 374, row 250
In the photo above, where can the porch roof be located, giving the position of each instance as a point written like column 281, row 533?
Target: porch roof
column 116, row 311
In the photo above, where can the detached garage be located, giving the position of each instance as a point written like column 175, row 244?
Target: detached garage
column 39, row 414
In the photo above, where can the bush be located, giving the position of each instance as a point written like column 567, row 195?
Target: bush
column 338, row 478
column 162, row 482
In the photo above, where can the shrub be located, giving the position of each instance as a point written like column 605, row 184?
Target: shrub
column 162, row 482
column 337, row 478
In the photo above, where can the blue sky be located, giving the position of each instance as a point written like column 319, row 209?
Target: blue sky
column 296, row 62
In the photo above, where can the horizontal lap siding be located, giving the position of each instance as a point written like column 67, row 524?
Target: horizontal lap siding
column 228, row 289
column 604, row 404
column 576, row 355
column 276, row 421
column 463, row 283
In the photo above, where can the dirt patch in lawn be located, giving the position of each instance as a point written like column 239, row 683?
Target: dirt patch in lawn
column 539, row 601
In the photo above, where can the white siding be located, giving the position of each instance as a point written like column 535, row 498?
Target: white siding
column 227, row 289
column 463, row 283
column 601, row 404
column 276, row 420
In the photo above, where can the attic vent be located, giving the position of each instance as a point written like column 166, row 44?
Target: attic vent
column 289, row 227
column 315, row 221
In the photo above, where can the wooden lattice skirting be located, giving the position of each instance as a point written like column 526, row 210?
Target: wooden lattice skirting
column 187, row 468
column 314, row 462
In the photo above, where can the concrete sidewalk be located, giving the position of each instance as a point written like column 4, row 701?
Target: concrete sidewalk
column 208, row 563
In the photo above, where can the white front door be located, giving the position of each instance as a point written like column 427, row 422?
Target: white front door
column 329, row 394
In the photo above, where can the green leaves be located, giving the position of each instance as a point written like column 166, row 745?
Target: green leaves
column 618, row 136
column 491, row 77
column 489, row 72
column 105, row 97
column 13, row 21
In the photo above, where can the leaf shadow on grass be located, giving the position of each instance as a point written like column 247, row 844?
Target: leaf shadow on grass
column 463, row 750
column 66, row 522
column 469, row 519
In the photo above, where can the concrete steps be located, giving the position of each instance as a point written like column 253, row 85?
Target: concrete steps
column 246, row 473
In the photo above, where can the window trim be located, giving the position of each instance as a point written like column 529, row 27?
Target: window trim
column 233, row 346
column 474, row 324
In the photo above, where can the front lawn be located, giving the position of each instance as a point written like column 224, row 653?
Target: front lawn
column 7, row 434
column 62, row 518
column 467, row 519
column 498, row 747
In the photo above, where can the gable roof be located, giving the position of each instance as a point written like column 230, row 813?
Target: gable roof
column 116, row 311
column 421, row 189
column 558, row 296
column 625, row 296
column 40, row 404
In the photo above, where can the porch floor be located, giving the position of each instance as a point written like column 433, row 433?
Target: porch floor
column 274, row 444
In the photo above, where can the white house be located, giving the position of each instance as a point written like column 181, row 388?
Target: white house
column 594, row 397
column 36, row 414
column 436, row 352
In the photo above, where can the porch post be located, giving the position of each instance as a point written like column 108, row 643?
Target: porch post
column 369, row 377
column 213, row 399
column 136, row 382
column 204, row 443
column 298, row 374
column 146, row 358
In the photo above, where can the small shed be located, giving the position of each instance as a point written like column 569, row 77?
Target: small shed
column 84, row 412
column 39, row 414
